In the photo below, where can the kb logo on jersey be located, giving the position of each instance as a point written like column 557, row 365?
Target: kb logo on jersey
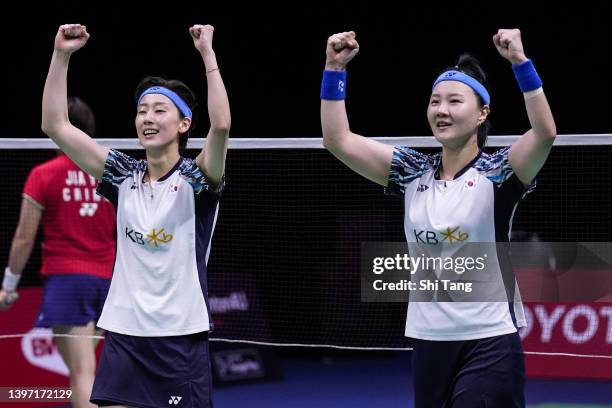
column 156, row 237
column 433, row 237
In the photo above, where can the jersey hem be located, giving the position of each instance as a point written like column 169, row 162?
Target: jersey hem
column 460, row 337
column 182, row 332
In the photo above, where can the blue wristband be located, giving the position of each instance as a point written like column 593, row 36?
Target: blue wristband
column 527, row 77
column 333, row 86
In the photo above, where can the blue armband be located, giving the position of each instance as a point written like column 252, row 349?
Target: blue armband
column 333, row 86
column 527, row 77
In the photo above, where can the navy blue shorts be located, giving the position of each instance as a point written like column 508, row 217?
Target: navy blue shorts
column 72, row 300
column 151, row 372
column 478, row 373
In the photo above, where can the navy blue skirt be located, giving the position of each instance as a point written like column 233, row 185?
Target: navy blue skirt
column 151, row 372
column 487, row 372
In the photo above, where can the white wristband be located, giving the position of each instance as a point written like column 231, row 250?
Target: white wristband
column 11, row 280
column 534, row 93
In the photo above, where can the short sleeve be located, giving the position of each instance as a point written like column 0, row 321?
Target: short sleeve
column 496, row 167
column 34, row 188
column 117, row 168
column 407, row 165
column 197, row 179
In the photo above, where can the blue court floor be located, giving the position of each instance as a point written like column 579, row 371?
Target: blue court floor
column 381, row 382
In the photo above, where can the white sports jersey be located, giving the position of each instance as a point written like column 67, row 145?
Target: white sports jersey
column 164, row 229
column 477, row 206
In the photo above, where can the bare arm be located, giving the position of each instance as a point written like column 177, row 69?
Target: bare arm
column 21, row 247
column 212, row 158
column 366, row 157
column 25, row 234
column 528, row 154
column 81, row 148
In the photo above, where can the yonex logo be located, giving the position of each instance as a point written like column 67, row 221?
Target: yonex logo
column 88, row 209
column 341, row 86
column 450, row 74
column 134, row 186
column 422, row 188
column 174, row 400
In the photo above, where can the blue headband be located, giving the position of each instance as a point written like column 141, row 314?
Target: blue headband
column 466, row 79
column 178, row 101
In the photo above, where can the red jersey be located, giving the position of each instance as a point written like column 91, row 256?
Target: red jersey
column 78, row 224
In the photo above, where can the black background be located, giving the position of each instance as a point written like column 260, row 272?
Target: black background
column 271, row 57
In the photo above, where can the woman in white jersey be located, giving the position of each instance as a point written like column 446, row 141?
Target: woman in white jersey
column 466, row 354
column 156, row 314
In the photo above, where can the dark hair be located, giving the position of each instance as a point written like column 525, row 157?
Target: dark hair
column 184, row 92
column 469, row 65
column 81, row 115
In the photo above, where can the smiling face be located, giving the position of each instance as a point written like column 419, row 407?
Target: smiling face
column 158, row 122
column 454, row 113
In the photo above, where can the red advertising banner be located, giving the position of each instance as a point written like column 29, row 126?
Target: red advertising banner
column 584, row 329
column 31, row 361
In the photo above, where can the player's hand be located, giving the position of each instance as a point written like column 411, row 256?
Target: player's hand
column 341, row 48
column 71, row 37
column 509, row 45
column 202, row 36
column 7, row 299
